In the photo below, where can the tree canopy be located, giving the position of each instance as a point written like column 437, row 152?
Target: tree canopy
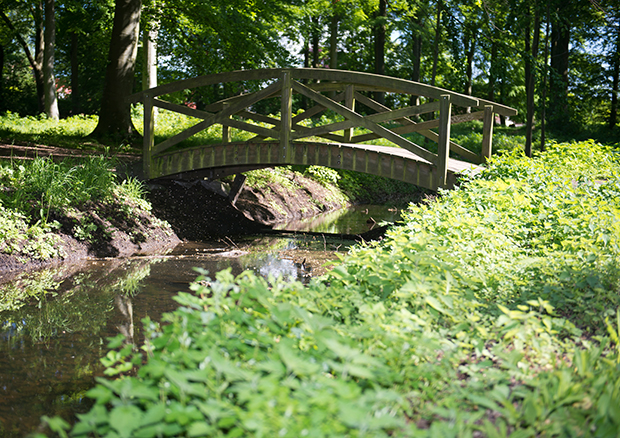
column 562, row 59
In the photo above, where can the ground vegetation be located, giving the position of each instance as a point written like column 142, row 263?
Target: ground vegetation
column 492, row 311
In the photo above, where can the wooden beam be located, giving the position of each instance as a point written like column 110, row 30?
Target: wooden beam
column 148, row 137
column 349, row 102
column 487, row 132
column 317, row 109
column 286, row 116
column 181, row 109
column 443, row 145
column 220, row 117
column 377, row 129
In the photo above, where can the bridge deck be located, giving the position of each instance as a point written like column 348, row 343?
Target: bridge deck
column 289, row 139
column 218, row 161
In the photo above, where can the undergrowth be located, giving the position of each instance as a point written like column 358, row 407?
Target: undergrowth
column 33, row 192
column 493, row 311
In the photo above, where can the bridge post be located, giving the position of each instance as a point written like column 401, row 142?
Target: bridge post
column 443, row 142
column 487, row 132
column 148, row 142
column 286, row 118
column 349, row 102
column 225, row 128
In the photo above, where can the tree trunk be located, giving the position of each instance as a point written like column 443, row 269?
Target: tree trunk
column 616, row 78
column 470, row 46
column 416, row 56
column 492, row 68
column 543, row 115
column 76, row 107
column 39, row 49
column 530, row 61
column 115, row 115
column 315, row 42
column 51, row 102
column 558, row 99
column 436, row 42
column 333, row 42
column 380, row 46
column 36, row 62
column 2, row 108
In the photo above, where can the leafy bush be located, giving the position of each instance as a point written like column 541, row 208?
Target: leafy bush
column 492, row 311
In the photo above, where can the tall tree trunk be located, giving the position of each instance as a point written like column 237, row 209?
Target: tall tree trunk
column 416, row 55
column 615, row 79
column 493, row 68
column 316, row 35
column 39, row 50
column 543, row 115
column 470, row 46
column 558, row 99
column 115, row 115
column 36, row 62
column 333, row 42
column 51, row 102
column 76, row 107
column 436, row 42
column 380, row 45
column 530, row 76
column 2, row 108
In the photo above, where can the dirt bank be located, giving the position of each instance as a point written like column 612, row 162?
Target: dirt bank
column 198, row 210
column 97, row 230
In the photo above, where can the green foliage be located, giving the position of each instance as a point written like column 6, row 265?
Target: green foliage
column 69, row 132
column 492, row 311
column 33, row 191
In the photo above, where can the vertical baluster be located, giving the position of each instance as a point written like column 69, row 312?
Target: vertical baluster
column 487, row 132
column 286, row 117
column 148, row 135
column 226, row 137
column 349, row 102
column 443, row 151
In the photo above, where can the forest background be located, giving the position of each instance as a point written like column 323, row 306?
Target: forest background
column 558, row 62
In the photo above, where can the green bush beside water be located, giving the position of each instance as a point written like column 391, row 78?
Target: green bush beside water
column 33, row 191
column 492, row 311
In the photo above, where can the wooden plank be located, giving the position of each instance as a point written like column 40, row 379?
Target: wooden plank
column 422, row 126
column 181, row 109
column 286, row 116
column 498, row 108
column 219, row 117
column 262, row 132
column 349, row 102
column 317, row 109
column 383, row 83
column 487, row 132
column 443, row 145
column 377, row 129
column 148, row 137
column 431, row 135
column 226, row 134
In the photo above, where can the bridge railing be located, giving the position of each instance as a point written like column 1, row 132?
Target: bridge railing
column 327, row 89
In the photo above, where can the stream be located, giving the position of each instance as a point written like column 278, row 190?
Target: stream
column 50, row 349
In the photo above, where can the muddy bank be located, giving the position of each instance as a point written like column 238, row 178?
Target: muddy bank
column 97, row 230
column 199, row 210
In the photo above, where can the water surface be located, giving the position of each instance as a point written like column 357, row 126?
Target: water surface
column 50, row 348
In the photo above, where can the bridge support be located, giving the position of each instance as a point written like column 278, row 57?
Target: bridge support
column 443, row 143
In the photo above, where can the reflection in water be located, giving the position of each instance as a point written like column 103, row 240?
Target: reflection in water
column 50, row 344
column 355, row 220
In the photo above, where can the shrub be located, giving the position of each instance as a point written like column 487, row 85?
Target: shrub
column 492, row 311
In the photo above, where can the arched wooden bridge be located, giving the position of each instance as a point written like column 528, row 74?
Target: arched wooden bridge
column 289, row 139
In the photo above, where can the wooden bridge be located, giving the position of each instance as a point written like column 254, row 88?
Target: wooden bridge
column 293, row 139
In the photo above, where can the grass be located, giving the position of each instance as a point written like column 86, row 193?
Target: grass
column 492, row 311
column 36, row 191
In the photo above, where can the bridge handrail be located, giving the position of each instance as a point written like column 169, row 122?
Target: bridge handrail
column 344, row 87
column 343, row 78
